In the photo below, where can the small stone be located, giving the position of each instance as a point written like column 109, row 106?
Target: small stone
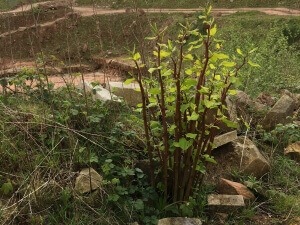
column 293, row 150
column 225, row 138
column 265, row 99
column 233, row 188
column 225, row 203
column 85, row 178
column 179, row 221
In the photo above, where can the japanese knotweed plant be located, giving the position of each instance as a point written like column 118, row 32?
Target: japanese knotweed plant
column 183, row 104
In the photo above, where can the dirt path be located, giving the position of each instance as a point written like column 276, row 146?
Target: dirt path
column 89, row 10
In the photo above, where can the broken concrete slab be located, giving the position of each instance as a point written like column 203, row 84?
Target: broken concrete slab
column 225, row 203
column 293, row 150
column 99, row 92
column 179, row 221
column 128, row 92
column 233, row 188
column 88, row 180
column 283, row 108
column 225, row 138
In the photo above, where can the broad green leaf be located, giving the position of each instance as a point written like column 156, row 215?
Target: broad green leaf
column 204, row 90
column 183, row 144
column 154, row 91
column 218, row 77
column 139, row 204
column 188, row 57
column 209, row 158
column 151, row 70
column 129, row 81
column 194, row 116
column 229, row 123
column 136, row 56
column 189, row 72
column 211, row 66
column 190, row 82
column 213, row 31
column 209, row 104
column 164, row 54
column 190, row 135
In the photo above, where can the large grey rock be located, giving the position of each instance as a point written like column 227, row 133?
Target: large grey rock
column 283, row 108
column 179, row 221
column 251, row 161
column 127, row 91
column 225, row 138
column 88, row 180
column 225, row 203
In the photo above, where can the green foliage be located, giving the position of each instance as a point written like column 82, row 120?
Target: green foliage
column 282, row 135
column 187, row 81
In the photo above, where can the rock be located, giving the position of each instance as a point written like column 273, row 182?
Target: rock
column 233, row 188
column 85, row 177
column 100, row 93
column 252, row 161
column 228, row 158
column 283, row 108
column 293, row 150
column 265, row 99
column 179, row 221
column 225, row 138
column 225, row 203
column 127, row 92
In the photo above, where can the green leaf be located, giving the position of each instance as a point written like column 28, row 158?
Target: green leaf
column 151, row 70
column 136, row 56
column 190, row 135
column 190, row 82
column 139, row 204
column 213, row 31
column 74, row 112
column 218, row 77
column 164, row 54
column 183, row 144
column 188, row 57
column 253, row 64
column 193, row 117
column 209, row 104
column 209, row 158
column 154, row 91
column 189, row 72
column 113, row 197
column 129, row 81
column 228, row 64
column 239, row 51
column 229, row 123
